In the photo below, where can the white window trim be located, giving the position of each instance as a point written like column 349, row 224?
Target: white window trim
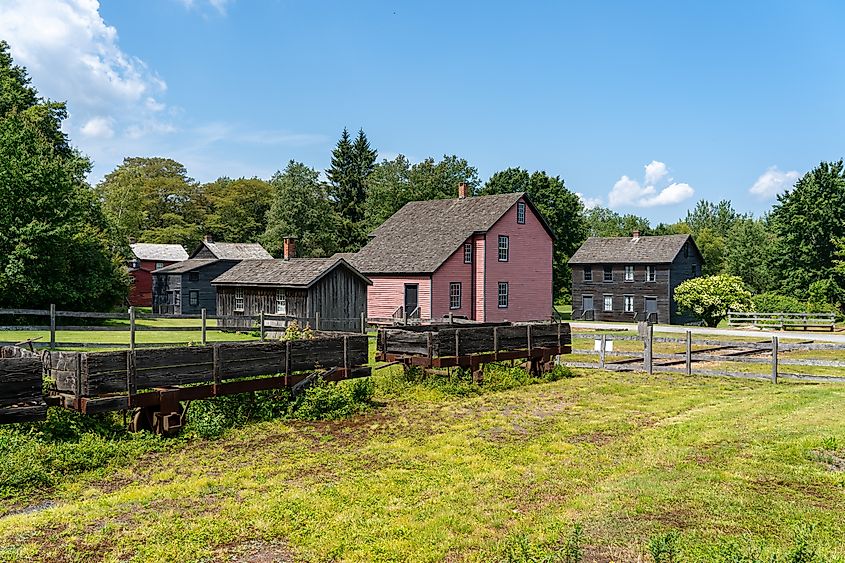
column 239, row 300
column 281, row 302
column 605, row 308
column 455, row 293
column 629, row 269
column 504, row 246
column 191, row 294
column 468, row 253
column 626, row 300
column 506, row 294
column 651, row 274
column 520, row 212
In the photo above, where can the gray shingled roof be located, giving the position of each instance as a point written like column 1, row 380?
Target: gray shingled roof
column 296, row 272
column 159, row 252
column 185, row 266
column 423, row 234
column 238, row 251
column 628, row 250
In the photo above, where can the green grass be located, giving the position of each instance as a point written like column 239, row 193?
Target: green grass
column 729, row 466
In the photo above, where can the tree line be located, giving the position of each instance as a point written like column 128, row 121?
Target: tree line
column 64, row 241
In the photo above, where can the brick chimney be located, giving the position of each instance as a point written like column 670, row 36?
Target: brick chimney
column 289, row 248
column 208, row 238
column 462, row 190
column 636, row 234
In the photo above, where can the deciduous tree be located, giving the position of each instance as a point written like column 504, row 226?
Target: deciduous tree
column 711, row 297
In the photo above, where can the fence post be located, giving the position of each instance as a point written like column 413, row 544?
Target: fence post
column 689, row 353
column 363, row 323
column 774, row 359
column 649, row 342
column 602, row 347
column 132, row 328
column 204, row 319
column 52, row 326
column 317, row 321
column 261, row 321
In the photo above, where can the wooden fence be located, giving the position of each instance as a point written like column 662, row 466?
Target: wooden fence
column 261, row 324
column 783, row 321
column 699, row 355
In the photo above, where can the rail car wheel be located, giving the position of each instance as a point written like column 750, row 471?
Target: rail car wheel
column 153, row 420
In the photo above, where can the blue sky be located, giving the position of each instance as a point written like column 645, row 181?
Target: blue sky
column 646, row 107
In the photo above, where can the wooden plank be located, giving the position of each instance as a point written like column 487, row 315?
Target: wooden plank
column 30, row 413
column 20, row 380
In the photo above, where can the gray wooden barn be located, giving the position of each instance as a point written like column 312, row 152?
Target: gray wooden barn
column 185, row 288
column 632, row 278
column 298, row 288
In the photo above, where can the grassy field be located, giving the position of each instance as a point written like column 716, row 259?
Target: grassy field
column 702, row 469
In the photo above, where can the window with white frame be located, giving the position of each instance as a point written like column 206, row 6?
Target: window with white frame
column 629, row 303
column 608, row 302
column 503, row 295
column 629, row 273
column 650, row 273
column 194, row 297
column 520, row 212
column 455, row 295
column 159, row 265
column 504, row 248
column 239, row 299
column 468, row 253
column 588, row 273
column 281, row 302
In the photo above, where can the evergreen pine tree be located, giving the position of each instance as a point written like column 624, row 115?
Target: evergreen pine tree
column 352, row 164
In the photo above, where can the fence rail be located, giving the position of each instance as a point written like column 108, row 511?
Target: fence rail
column 783, row 321
column 699, row 355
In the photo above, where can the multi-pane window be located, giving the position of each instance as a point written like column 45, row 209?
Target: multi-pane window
column 588, row 273
column 650, row 273
column 608, row 302
column 520, row 212
column 281, row 302
column 608, row 273
column 629, row 273
column 455, row 295
column 239, row 299
column 194, row 298
column 504, row 248
column 159, row 265
column 468, row 253
column 629, row 303
column 503, row 295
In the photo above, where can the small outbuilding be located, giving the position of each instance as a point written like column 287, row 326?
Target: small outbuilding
column 184, row 288
column 299, row 288
column 632, row 278
column 147, row 258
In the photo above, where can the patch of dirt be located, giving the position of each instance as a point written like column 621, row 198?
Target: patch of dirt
column 29, row 509
column 255, row 551
column 597, row 438
column 832, row 460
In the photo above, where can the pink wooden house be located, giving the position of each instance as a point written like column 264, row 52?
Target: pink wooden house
column 487, row 258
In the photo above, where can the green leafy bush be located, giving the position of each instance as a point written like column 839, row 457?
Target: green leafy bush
column 776, row 303
column 710, row 298
column 664, row 548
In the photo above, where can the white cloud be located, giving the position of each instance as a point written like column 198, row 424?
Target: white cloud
column 773, row 181
column 655, row 171
column 219, row 5
column 589, row 202
column 629, row 192
column 73, row 55
column 98, row 127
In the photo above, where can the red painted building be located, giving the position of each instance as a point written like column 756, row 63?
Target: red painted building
column 145, row 259
column 486, row 258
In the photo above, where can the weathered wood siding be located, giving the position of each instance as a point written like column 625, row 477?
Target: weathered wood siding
column 204, row 253
column 207, row 292
column 256, row 301
column 681, row 271
column 528, row 270
column 618, row 289
column 163, row 284
column 340, row 297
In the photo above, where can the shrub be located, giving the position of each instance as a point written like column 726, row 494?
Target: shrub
column 327, row 401
column 776, row 303
column 664, row 547
column 710, row 298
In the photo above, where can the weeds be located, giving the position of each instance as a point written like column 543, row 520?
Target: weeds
column 664, row 548
column 520, row 549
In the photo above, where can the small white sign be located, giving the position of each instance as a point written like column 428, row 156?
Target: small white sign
column 608, row 346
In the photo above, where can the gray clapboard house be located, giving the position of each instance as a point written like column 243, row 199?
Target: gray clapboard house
column 300, row 288
column 632, row 278
column 185, row 288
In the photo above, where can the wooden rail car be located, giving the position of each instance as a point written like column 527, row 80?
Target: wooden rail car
column 21, row 385
column 154, row 382
column 438, row 346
